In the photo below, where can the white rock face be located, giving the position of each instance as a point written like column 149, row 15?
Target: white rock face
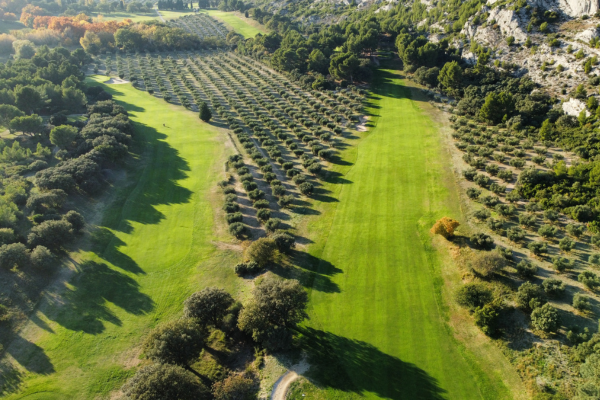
column 577, row 8
column 509, row 23
column 469, row 57
column 572, row 8
column 574, row 107
column 587, row 35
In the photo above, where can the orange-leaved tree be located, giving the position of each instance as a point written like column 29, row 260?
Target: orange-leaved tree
column 445, row 227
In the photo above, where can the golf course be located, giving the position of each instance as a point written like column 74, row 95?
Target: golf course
column 379, row 329
column 377, row 324
column 154, row 246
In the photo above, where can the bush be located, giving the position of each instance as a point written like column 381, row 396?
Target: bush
column 7, row 236
column 538, row 248
column 589, row 279
column 482, row 214
column 495, row 225
column 487, row 263
column 561, row 264
column 235, row 387
column 489, row 201
column 445, row 227
column 263, row 214
column 582, row 303
column 547, row 231
column 545, row 318
column 50, row 234
column 306, row 188
column 42, row 258
column 256, row 194
column 286, row 201
column 487, row 318
column 14, row 255
column 553, row 287
column 272, row 224
column 594, row 259
column 566, row 244
column 515, row 234
column 76, row 220
column 231, row 207
column 237, row 229
column 246, row 268
column 234, row 217
column 284, row 241
column 163, row 381
column 482, row 241
column 262, row 251
column 473, row 193
column 530, row 296
column 473, row 295
column 575, row 230
column 526, row 269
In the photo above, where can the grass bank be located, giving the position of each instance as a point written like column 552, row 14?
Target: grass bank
column 236, row 21
column 155, row 244
column 378, row 324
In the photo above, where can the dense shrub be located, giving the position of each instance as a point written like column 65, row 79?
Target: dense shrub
column 526, row 269
column 545, row 318
column 553, row 287
column 473, row 295
column 482, row 241
column 530, row 296
column 249, row 267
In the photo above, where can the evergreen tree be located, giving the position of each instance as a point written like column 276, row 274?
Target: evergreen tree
column 205, row 114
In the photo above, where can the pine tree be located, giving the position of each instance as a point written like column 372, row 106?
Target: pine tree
column 205, row 114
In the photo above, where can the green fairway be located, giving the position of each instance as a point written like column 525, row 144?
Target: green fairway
column 154, row 246
column 377, row 328
column 236, row 21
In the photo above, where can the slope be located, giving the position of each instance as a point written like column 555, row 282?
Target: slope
column 153, row 247
column 381, row 331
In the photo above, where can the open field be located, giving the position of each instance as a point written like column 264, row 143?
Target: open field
column 236, row 21
column 154, row 247
column 118, row 16
column 380, row 330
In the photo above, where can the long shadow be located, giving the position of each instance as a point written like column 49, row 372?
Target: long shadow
column 10, row 378
column 30, row 356
column 85, row 306
column 355, row 366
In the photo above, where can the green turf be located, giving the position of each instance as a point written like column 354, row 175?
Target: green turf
column 119, row 16
column 236, row 21
column 152, row 249
column 377, row 327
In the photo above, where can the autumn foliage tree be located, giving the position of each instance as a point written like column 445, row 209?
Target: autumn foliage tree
column 445, row 227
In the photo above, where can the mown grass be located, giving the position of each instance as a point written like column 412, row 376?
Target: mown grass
column 153, row 247
column 237, row 22
column 380, row 330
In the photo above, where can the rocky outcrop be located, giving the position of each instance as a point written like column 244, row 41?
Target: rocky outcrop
column 587, row 35
column 572, row 8
column 574, row 107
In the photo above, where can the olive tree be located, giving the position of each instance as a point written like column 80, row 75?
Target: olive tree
column 208, row 306
column 177, row 342
column 545, row 318
column 275, row 309
column 164, row 381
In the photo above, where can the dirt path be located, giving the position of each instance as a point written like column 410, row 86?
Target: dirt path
column 282, row 385
column 160, row 16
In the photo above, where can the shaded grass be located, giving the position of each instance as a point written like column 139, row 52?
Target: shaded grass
column 383, row 334
column 7, row 26
column 150, row 251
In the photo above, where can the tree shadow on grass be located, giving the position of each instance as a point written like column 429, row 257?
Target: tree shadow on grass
column 10, row 378
column 86, row 300
column 355, row 366
column 156, row 184
column 30, row 356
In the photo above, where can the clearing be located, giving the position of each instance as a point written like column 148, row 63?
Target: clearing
column 378, row 324
column 236, row 21
column 152, row 249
